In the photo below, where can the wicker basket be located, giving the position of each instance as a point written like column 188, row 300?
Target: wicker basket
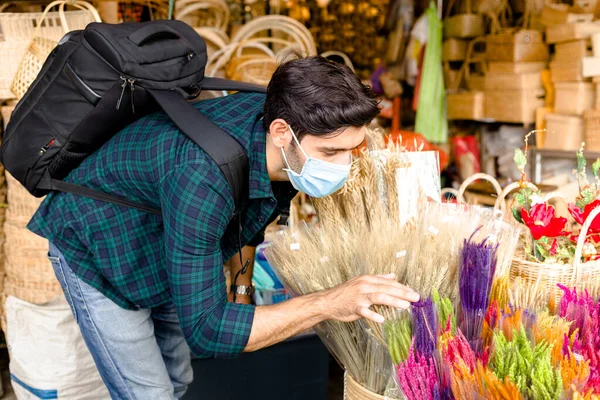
column 574, row 97
column 41, row 46
column 454, row 49
column 466, row 105
column 524, row 81
column 18, row 30
column 524, row 45
column 556, row 14
column 572, row 50
column 29, row 274
column 473, row 82
column 503, row 67
column 516, row 106
column 465, row 25
column 591, row 129
column 354, row 391
column 544, row 277
column 563, row 132
column 567, row 71
column 204, row 13
column 566, row 32
column 476, row 177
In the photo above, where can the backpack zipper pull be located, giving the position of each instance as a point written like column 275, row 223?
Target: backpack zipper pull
column 131, row 82
column 123, row 86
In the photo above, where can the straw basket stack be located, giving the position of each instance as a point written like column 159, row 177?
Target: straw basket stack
column 29, row 274
column 29, row 32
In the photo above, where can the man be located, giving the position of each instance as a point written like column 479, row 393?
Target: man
column 146, row 289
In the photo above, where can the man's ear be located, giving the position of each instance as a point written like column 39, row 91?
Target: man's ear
column 280, row 133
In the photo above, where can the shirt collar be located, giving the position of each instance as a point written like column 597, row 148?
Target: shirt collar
column 259, row 185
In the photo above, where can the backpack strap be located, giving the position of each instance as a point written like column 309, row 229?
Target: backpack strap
column 49, row 183
column 226, row 152
column 209, row 83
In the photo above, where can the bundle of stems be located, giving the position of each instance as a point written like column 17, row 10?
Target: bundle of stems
column 361, row 232
column 436, row 245
column 477, row 268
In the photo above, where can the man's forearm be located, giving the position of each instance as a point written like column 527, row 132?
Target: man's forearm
column 246, row 279
column 273, row 324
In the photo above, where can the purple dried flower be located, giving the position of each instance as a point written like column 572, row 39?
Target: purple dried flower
column 425, row 327
column 476, row 273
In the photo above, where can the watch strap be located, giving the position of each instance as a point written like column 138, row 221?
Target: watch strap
column 242, row 290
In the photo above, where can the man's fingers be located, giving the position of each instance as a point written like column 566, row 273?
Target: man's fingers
column 385, row 280
column 370, row 314
column 401, row 292
column 387, row 300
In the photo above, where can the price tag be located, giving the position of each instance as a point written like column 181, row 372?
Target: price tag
column 401, row 254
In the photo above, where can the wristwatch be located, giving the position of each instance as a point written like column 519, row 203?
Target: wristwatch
column 242, row 290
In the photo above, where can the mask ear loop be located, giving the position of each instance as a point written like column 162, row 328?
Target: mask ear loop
column 298, row 143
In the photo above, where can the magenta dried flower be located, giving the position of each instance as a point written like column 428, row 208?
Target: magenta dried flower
column 418, row 377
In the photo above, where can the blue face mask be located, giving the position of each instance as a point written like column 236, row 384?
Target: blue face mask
column 317, row 178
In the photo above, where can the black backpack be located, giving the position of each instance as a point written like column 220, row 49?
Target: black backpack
column 101, row 79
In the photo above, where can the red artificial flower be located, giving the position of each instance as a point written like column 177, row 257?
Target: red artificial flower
column 554, row 247
column 541, row 221
column 580, row 216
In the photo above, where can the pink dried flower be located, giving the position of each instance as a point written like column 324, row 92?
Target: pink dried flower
column 418, row 377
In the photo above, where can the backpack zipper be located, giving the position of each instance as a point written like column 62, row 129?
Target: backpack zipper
column 123, row 86
column 131, row 82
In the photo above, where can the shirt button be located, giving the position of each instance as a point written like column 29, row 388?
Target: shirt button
column 272, row 202
column 138, row 306
column 261, row 219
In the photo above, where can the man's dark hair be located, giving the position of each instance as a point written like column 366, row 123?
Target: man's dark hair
column 318, row 97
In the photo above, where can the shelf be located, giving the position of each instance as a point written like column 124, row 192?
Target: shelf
column 567, row 154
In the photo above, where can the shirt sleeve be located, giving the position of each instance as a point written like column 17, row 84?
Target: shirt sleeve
column 195, row 216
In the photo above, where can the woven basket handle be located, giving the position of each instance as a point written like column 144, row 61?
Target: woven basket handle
column 469, row 58
column 465, row 69
column 581, row 242
column 500, row 203
column 476, row 177
column 222, row 23
column 344, row 57
column 449, row 8
column 259, row 43
column 83, row 5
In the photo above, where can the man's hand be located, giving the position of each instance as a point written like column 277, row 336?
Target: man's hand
column 351, row 300
column 346, row 302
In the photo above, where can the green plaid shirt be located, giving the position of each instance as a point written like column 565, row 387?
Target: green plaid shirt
column 141, row 260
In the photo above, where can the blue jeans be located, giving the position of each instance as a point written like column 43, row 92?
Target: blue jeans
column 141, row 354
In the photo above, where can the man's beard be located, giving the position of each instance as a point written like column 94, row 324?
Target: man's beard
column 294, row 157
